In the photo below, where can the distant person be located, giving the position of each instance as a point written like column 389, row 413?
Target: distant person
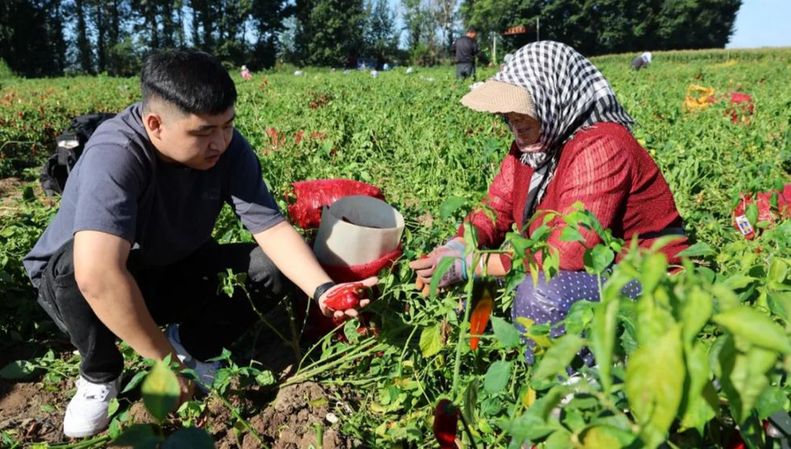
column 641, row 61
column 131, row 247
column 465, row 50
column 246, row 73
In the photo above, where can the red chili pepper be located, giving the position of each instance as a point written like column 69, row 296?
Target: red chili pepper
column 345, row 297
column 480, row 316
column 446, row 423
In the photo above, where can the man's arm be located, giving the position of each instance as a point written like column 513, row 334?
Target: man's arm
column 297, row 262
column 112, row 293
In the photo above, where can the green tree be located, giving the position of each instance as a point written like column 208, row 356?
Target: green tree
column 696, row 23
column 329, row 32
column 417, row 22
column 268, row 19
column 381, row 40
column 31, row 39
column 84, row 48
column 610, row 26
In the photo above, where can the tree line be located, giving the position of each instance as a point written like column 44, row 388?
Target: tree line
column 55, row 37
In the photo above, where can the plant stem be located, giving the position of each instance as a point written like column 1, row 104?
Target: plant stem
column 359, row 352
column 463, row 329
column 239, row 418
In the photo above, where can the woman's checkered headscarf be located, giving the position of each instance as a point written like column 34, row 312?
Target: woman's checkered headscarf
column 569, row 93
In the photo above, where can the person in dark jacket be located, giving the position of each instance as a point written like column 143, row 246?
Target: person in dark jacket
column 465, row 50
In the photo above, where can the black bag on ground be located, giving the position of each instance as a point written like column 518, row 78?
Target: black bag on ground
column 68, row 148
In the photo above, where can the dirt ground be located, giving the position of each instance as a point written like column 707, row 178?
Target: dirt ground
column 33, row 412
column 283, row 418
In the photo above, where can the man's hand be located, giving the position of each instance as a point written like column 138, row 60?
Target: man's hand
column 186, row 389
column 346, row 295
column 426, row 265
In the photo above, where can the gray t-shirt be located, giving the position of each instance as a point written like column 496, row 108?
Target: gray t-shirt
column 120, row 186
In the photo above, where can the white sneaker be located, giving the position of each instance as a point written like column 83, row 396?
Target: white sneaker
column 205, row 372
column 86, row 414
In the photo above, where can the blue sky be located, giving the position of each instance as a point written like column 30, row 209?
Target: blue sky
column 759, row 23
column 762, row 23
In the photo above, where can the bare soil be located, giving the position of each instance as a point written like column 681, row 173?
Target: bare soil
column 278, row 418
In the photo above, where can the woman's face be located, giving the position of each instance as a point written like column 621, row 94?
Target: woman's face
column 526, row 130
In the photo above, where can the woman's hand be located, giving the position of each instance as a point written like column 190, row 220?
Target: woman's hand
column 344, row 300
column 426, row 265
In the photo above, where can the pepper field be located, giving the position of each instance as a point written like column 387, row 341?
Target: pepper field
column 701, row 359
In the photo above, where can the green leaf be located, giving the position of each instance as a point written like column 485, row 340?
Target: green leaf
column 505, row 332
column 135, row 381
column 442, row 267
column 699, row 249
column 700, row 402
column 470, row 401
column 112, row 407
column 451, row 205
column 695, row 312
column 430, row 340
column 537, row 422
column 160, row 391
column 780, row 304
column 778, row 270
column 265, row 378
column 18, row 370
column 755, row 327
column 138, row 436
column 603, row 339
column 609, row 437
column 569, row 234
column 189, row 438
column 653, row 270
column 654, row 384
column 771, row 400
column 752, row 213
column 738, row 281
column 580, row 316
column 559, row 356
column 598, row 259
column 560, row 439
column 497, row 377
column 743, row 376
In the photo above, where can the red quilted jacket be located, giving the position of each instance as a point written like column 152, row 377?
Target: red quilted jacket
column 604, row 167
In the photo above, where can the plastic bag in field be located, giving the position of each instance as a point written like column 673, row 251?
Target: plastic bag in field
column 740, row 107
column 698, row 97
column 308, row 198
column 764, row 208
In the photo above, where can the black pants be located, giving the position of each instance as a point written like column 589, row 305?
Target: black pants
column 185, row 292
column 465, row 70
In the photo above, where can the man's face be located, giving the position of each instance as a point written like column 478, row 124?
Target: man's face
column 194, row 140
column 526, row 131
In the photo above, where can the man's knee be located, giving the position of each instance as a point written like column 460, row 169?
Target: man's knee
column 264, row 274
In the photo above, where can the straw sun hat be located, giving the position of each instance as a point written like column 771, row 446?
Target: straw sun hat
column 500, row 98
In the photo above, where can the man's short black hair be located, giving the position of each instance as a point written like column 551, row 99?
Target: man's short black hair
column 192, row 80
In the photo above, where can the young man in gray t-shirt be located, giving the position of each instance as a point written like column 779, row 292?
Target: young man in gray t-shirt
column 130, row 248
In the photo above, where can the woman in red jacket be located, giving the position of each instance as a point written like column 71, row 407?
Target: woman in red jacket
column 572, row 142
